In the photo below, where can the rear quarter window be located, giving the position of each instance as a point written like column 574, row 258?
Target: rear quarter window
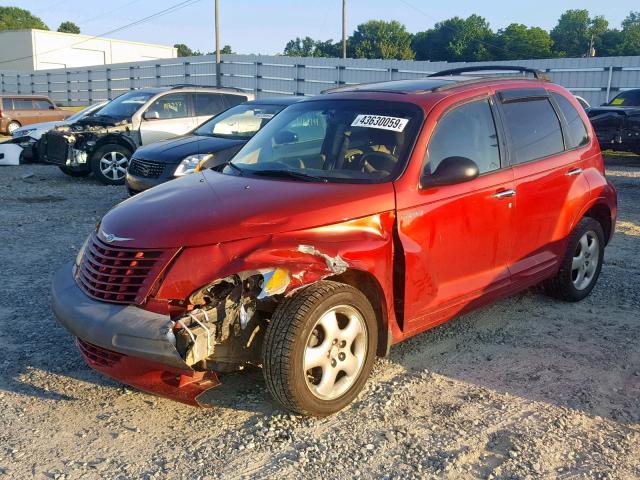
column 42, row 104
column 7, row 104
column 576, row 134
column 22, row 104
column 534, row 129
column 233, row 100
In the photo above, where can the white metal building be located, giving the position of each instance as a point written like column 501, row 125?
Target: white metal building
column 29, row 50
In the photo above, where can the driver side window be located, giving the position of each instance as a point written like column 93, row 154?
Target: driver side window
column 170, row 106
column 466, row 131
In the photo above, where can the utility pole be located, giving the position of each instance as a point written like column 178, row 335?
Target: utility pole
column 344, row 28
column 217, row 27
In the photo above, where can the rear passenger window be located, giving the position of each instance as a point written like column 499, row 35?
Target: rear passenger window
column 233, row 100
column 7, row 104
column 467, row 131
column 576, row 132
column 208, row 104
column 534, row 129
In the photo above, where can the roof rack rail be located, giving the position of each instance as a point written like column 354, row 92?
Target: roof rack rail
column 191, row 85
column 537, row 74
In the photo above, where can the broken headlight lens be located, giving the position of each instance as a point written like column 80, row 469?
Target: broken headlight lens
column 191, row 163
column 274, row 282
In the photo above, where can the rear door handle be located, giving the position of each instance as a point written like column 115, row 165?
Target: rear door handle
column 504, row 193
column 573, row 172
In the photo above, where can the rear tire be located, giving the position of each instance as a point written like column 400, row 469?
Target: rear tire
column 319, row 348
column 73, row 172
column 109, row 163
column 582, row 263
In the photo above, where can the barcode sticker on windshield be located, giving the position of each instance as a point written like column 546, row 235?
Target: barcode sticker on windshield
column 379, row 121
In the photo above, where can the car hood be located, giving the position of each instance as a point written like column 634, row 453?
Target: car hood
column 210, row 207
column 38, row 129
column 176, row 149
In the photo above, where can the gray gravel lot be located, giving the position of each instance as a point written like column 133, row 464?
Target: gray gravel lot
column 526, row 388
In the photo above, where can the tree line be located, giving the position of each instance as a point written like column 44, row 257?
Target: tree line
column 14, row 18
column 471, row 39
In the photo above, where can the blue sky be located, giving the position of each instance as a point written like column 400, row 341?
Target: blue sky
column 264, row 26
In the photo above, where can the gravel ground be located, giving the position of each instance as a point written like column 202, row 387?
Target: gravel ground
column 526, row 388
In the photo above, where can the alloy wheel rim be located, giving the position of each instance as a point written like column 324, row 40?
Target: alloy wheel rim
column 113, row 165
column 12, row 127
column 585, row 260
column 335, row 352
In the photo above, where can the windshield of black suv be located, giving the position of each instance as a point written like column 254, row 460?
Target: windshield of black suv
column 125, row 105
column 355, row 141
column 240, row 122
column 630, row 98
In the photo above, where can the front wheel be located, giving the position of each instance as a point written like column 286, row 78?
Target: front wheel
column 582, row 263
column 109, row 163
column 319, row 348
column 12, row 127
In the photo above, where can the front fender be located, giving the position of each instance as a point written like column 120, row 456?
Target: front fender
column 364, row 244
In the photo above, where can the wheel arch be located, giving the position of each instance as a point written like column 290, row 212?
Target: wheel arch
column 115, row 139
column 602, row 214
column 371, row 288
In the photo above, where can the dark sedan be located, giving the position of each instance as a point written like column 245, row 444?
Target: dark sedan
column 209, row 145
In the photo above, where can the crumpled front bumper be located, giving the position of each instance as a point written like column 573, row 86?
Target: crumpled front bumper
column 127, row 343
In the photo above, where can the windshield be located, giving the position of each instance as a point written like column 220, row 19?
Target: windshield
column 332, row 140
column 83, row 113
column 240, row 122
column 630, row 98
column 125, row 105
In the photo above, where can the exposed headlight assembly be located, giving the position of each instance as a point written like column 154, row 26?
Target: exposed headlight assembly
column 191, row 164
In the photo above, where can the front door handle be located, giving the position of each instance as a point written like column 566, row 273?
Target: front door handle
column 504, row 193
column 573, row 172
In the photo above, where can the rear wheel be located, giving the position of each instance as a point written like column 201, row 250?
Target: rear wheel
column 109, row 163
column 582, row 263
column 12, row 127
column 72, row 172
column 319, row 348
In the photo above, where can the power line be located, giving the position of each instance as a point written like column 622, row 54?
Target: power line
column 173, row 8
column 91, row 19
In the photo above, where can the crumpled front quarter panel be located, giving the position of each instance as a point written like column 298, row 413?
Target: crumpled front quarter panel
column 364, row 244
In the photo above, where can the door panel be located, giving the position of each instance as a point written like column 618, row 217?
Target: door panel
column 456, row 245
column 549, row 192
column 456, row 239
column 174, row 118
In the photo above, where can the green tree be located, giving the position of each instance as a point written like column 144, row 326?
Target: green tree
column 69, row 27
column 14, row 18
column 609, row 44
column 456, row 40
column 630, row 34
column 574, row 31
column 517, row 42
column 226, row 50
column 183, row 50
column 381, row 39
column 308, row 47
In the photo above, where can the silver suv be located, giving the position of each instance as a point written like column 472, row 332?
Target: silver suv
column 103, row 143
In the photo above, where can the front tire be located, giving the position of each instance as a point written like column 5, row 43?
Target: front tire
column 109, row 163
column 319, row 348
column 582, row 263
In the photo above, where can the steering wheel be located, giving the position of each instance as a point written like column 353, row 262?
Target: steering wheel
column 379, row 161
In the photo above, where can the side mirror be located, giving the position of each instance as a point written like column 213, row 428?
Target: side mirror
column 285, row 136
column 450, row 171
column 151, row 115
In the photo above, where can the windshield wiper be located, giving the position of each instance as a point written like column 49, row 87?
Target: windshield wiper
column 290, row 174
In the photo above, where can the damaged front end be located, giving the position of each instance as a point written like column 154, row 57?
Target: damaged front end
column 72, row 145
column 224, row 330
